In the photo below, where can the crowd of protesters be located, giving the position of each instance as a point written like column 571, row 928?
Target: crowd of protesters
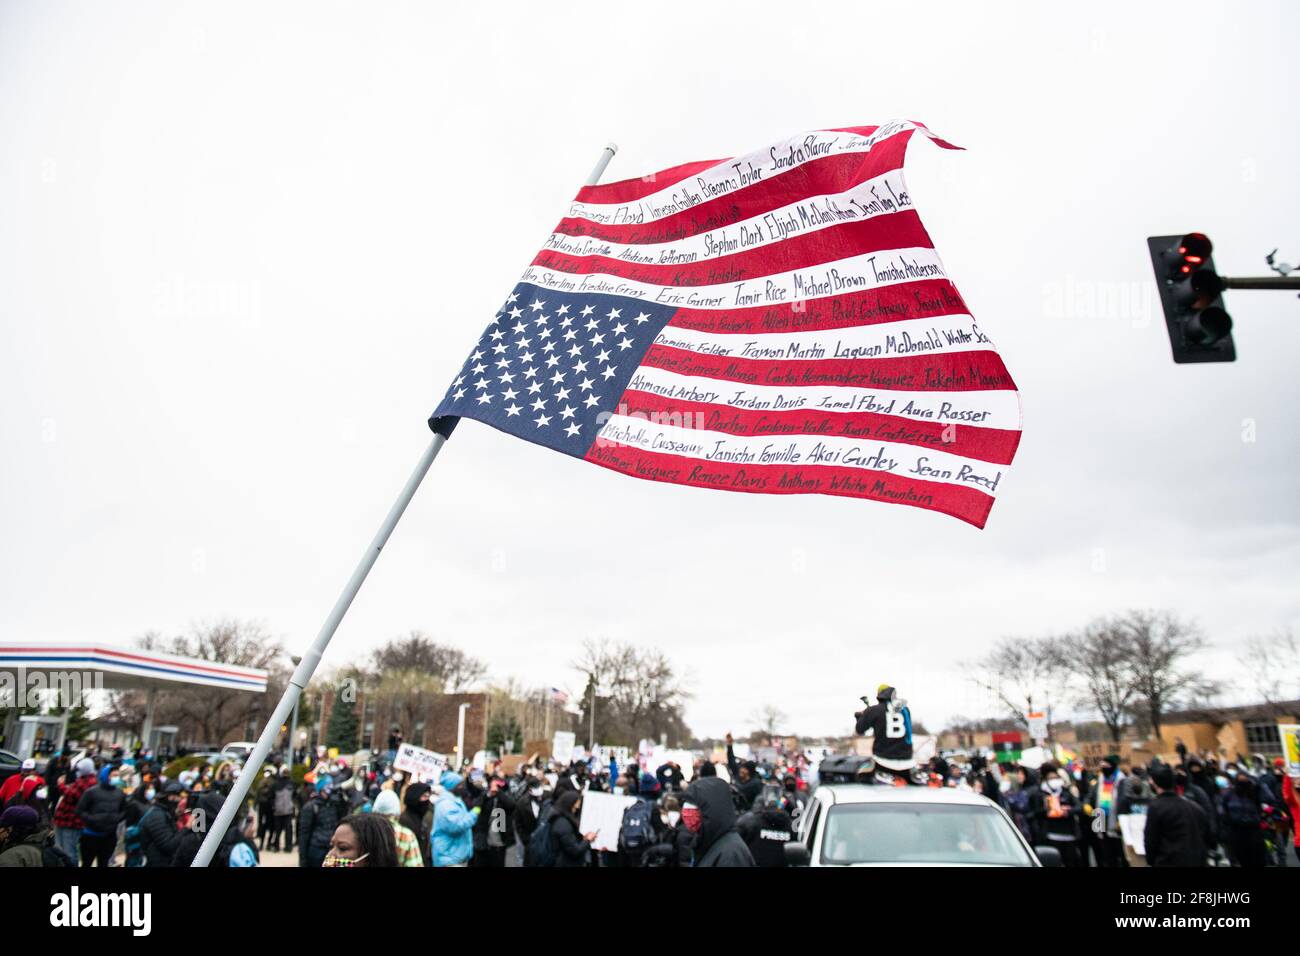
column 1199, row 811
column 107, row 807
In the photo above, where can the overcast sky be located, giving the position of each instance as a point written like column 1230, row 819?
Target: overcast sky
column 244, row 248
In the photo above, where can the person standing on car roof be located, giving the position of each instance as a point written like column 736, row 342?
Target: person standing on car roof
column 890, row 722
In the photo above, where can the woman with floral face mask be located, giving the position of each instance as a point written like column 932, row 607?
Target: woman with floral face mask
column 362, row 839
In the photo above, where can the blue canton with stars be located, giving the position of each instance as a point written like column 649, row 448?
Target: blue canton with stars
column 553, row 362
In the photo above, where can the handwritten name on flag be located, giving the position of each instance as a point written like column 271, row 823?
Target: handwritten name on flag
column 775, row 323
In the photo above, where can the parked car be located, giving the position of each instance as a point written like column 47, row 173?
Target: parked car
column 238, row 750
column 10, row 764
column 872, row 825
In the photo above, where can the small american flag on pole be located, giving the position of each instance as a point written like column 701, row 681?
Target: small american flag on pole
column 559, row 697
column 775, row 323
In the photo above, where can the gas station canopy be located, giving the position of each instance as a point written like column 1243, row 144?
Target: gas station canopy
column 73, row 667
column 128, row 669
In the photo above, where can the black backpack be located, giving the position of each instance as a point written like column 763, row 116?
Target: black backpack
column 637, row 831
column 540, row 851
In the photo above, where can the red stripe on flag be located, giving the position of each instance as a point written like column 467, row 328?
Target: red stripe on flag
column 921, row 299
column 951, row 372
column 967, row 504
column 818, row 177
column 995, row 445
column 880, row 234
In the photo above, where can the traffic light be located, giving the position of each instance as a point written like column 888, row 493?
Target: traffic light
column 1191, row 292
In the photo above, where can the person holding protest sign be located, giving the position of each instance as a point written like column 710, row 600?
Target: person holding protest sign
column 570, row 846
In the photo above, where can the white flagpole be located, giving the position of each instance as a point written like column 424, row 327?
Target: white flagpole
column 307, row 666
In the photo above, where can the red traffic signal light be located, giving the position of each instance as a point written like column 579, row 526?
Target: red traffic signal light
column 1200, row 329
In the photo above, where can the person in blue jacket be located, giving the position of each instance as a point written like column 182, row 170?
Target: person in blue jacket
column 453, row 824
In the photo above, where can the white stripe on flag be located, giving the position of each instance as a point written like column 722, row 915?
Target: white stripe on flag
column 855, row 274
column 867, row 200
column 903, row 461
column 988, row 409
column 939, row 334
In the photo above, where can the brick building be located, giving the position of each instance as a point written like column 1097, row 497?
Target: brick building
column 434, row 726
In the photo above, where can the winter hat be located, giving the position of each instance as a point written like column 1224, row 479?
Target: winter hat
column 649, row 784
column 85, row 767
column 387, row 804
column 29, row 763
column 413, row 794
column 104, row 773
column 324, row 783
column 449, row 780
column 20, row 819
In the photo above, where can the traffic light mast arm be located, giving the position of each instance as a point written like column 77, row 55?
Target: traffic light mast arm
column 1261, row 282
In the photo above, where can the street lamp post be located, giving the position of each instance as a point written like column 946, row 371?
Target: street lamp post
column 293, row 726
column 591, row 739
column 460, row 737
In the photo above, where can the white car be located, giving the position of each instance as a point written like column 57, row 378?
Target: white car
column 238, row 750
column 871, row 825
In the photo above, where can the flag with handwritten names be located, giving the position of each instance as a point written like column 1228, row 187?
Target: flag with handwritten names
column 775, row 323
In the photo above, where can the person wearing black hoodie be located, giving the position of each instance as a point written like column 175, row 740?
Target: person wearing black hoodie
column 766, row 829
column 494, row 831
column 187, row 848
column 101, row 809
column 1176, row 827
column 159, row 837
column 416, row 818
column 571, row 847
column 708, row 812
column 744, row 777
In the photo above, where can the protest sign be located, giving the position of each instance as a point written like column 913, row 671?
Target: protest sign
column 603, row 814
column 562, row 745
column 423, row 764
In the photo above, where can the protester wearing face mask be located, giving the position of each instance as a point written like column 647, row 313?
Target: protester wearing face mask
column 709, row 813
column 528, row 813
column 452, row 841
column 67, row 823
column 1240, row 816
column 319, row 818
column 1060, row 813
column 673, row 841
column 1104, row 806
column 138, row 806
column 101, row 809
column 417, row 817
column 571, row 846
column 361, row 840
column 159, row 835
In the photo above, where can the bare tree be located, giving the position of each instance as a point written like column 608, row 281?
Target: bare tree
column 1018, row 671
column 1158, row 647
column 451, row 667
column 212, row 713
column 1101, row 659
column 767, row 720
column 1273, row 663
column 645, row 693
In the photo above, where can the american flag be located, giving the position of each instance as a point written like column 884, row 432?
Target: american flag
column 776, row 323
column 559, row 697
